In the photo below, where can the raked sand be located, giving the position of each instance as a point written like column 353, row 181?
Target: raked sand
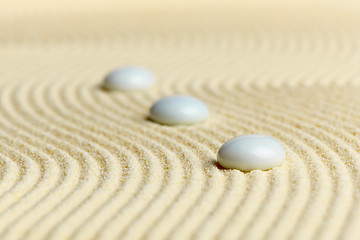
column 78, row 162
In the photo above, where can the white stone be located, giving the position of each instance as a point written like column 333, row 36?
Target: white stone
column 129, row 78
column 177, row 110
column 251, row 152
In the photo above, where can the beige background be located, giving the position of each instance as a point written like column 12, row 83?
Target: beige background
column 81, row 163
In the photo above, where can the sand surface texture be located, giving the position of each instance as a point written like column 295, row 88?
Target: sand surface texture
column 78, row 162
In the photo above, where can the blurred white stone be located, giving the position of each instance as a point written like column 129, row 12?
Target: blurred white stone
column 129, row 78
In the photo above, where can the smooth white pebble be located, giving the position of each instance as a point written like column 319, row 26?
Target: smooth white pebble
column 250, row 152
column 178, row 110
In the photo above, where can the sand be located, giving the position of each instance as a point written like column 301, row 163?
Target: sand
column 78, row 162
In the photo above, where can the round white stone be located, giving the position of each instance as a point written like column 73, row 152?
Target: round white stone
column 129, row 78
column 177, row 110
column 251, row 152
